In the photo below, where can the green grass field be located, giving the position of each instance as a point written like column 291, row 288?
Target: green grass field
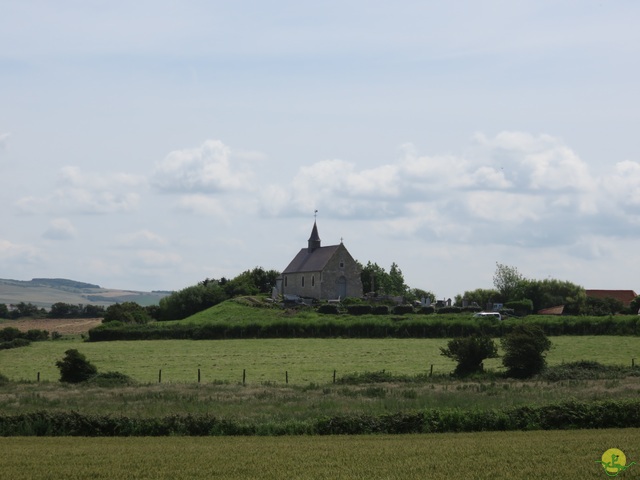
column 305, row 360
column 495, row 455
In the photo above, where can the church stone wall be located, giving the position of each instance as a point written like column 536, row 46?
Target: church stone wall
column 341, row 265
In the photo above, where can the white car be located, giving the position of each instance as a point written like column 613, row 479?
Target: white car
column 495, row 315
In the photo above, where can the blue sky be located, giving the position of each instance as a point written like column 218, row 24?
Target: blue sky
column 149, row 145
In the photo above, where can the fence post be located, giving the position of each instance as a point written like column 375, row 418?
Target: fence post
column 198, row 375
column 286, row 377
column 633, row 362
column 431, row 371
column 334, row 376
column 38, row 376
column 160, row 376
column 244, row 375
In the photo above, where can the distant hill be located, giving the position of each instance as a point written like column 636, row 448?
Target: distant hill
column 44, row 292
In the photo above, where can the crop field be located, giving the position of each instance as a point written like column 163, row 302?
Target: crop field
column 492, row 455
column 271, row 360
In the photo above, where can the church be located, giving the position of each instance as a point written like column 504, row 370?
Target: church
column 322, row 273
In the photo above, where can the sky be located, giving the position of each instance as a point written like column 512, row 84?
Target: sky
column 149, row 145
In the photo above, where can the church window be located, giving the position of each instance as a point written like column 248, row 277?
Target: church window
column 303, row 281
column 313, row 280
column 285, row 281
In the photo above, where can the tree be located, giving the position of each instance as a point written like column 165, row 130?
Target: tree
column 551, row 292
column 127, row 312
column 524, row 350
column 470, row 352
column 75, row 368
column 481, row 296
column 396, row 281
column 507, row 280
column 376, row 279
column 634, row 306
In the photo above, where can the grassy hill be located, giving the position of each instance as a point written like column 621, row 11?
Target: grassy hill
column 44, row 292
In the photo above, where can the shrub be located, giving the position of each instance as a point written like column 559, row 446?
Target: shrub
column 521, row 308
column 427, row 310
column 470, row 352
column 3, row 380
column 402, row 309
column 15, row 343
column 362, row 309
column 37, row 335
column 380, row 310
column 75, row 368
column 9, row 333
column 328, row 309
column 128, row 312
column 351, row 301
column 525, row 348
column 449, row 310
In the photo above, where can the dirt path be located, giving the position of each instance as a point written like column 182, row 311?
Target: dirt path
column 64, row 326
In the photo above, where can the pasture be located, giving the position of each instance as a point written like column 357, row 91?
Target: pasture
column 491, row 455
column 269, row 360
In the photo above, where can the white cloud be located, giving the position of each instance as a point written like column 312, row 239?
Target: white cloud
column 205, row 205
column 60, row 229
column 19, row 254
column 87, row 193
column 141, row 238
column 512, row 189
column 156, row 259
column 623, row 184
column 3, row 140
column 206, row 169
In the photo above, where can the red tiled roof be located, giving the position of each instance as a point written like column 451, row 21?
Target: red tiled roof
column 559, row 310
column 625, row 296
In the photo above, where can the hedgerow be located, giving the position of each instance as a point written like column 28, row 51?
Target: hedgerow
column 562, row 416
column 362, row 326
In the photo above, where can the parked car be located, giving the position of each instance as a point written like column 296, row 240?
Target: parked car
column 495, row 315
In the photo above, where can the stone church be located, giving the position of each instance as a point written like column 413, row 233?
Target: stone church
column 322, row 273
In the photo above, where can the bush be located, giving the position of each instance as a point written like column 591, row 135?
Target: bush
column 427, row 310
column 525, row 348
column 449, row 310
column 328, row 309
column 9, row 333
column 127, row 312
column 37, row 335
column 402, row 309
column 470, row 352
column 75, row 368
column 3, row 380
column 522, row 308
column 380, row 310
column 15, row 343
column 362, row 309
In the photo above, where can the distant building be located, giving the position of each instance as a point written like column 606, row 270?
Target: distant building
column 625, row 296
column 321, row 273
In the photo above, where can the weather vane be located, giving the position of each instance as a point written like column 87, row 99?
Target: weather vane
column 315, row 214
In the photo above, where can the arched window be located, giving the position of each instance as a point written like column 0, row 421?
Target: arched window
column 285, row 281
column 303, row 281
column 313, row 280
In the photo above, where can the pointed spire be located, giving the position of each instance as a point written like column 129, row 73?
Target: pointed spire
column 314, row 239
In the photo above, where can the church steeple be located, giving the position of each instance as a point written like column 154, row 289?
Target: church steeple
column 314, row 239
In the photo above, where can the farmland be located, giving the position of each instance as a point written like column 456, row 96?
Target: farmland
column 289, row 387
column 488, row 455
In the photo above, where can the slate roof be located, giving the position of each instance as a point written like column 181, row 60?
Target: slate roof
column 625, row 296
column 313, row 261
